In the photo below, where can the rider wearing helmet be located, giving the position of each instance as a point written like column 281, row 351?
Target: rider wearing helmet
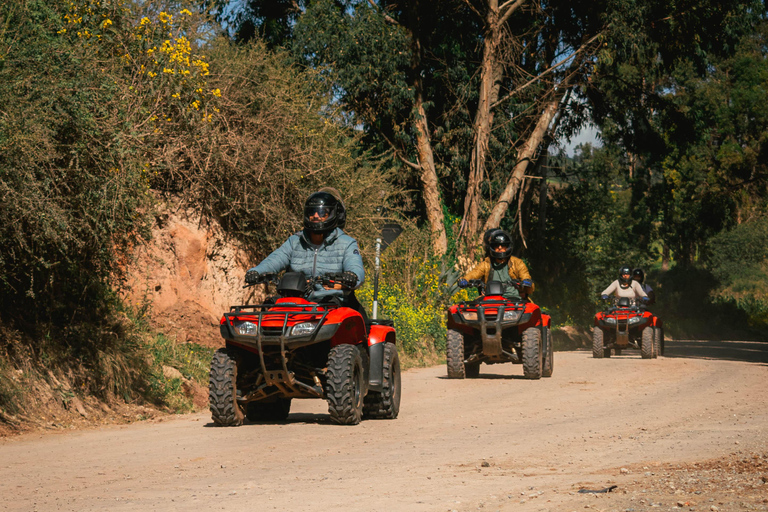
column 320, row 248
column 500, row 265
column 625, row 286
column 639, row 276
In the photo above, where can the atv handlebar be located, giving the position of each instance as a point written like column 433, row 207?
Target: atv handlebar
column 633, row 303
column 481, row 285
column 346, row 280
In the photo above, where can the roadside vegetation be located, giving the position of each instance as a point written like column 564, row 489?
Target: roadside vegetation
column 447, row 118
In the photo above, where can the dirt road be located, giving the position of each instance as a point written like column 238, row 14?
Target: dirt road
column 494, row 443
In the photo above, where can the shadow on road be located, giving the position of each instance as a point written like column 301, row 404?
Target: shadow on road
column 747, row 351
column 488, row 376
column 299, row 417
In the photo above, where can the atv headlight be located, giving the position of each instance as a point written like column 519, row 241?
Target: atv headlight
column 610, row 321
column 303, row 328
column 246, row 328
column 635, row 320
column 512, row 315
column 469, row 316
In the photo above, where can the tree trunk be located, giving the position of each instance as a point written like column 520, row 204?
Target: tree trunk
column 429, row 180
column 427, row 173
column 524, row 156
column 489, row 93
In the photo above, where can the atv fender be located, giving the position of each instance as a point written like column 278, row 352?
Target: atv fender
column 380, row 335
column 351, row 330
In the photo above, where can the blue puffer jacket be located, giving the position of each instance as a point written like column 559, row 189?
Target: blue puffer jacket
column 338, row 253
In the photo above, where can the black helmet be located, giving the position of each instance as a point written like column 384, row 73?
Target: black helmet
column 494, row 239
column 341, row 211
column 326, row 207
column 638, row 272
column 625, row 271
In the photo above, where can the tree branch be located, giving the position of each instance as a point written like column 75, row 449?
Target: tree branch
column 516, row 4
column 545, row 72
column 389, row 19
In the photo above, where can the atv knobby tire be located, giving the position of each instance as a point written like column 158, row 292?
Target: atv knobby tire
column 222, row 392
column 549, row 358
column 646, row 343
column 385, row 404
column 454, row 355
column 598, row 351
column 532, row 353
column 271, row 411
column 345, row 385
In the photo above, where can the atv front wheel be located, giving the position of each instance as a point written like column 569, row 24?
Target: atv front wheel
column 656, row 342
column 532, row 356
column 345, row 385
column 222, row 393
column 385, row 404
column 598, row 352
column 549, row 357
column 646, row 343
column 454, row 355
column 272, row 411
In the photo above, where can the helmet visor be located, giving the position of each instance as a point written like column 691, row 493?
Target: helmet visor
column 319, row 213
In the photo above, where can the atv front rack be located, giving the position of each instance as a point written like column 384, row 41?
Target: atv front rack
column 278, row 336
column 492, row 341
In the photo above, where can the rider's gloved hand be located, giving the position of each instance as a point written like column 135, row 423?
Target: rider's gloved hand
column 605, row 297
column 527, row 283
column 251, row 277
column 646, row 300
column 463, row 283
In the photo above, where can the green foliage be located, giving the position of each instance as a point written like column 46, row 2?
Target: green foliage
column 738, row 260
column 411, row 293
column 589, row 234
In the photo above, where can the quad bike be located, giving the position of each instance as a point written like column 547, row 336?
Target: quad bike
column 627, row 324
column 290, row 347
column 493, row 329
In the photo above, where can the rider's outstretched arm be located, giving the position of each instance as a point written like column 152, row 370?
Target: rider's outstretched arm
column 611, row 288
column 278, row 260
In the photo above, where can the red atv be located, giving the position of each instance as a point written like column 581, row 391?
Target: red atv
column 493, row 329
column 292, row 348
column 627, row 324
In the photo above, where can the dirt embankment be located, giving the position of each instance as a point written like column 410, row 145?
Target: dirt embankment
column 188, row 275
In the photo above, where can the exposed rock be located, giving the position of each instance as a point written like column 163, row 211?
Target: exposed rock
column 188, row 275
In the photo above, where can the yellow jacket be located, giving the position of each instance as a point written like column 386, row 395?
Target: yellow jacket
column 517, row 270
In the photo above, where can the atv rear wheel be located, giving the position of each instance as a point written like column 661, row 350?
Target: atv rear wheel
column 385, row 404
column 454, row 355
column 646, row 343
column 598, row 352
column 271, row 411
column 532, row 353
column 345, row 385
column 549, row 356
column 222, row 392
